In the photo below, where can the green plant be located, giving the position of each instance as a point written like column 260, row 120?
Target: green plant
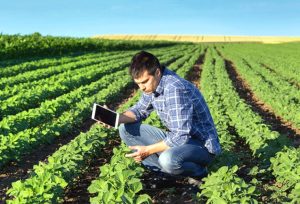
column 224, row 186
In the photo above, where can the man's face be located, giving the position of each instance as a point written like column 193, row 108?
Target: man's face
column 148, row 83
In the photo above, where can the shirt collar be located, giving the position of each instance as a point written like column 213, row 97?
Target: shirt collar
column 160, row 88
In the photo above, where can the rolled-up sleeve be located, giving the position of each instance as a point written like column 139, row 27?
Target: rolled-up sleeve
column 142, row 108
column 180, row 115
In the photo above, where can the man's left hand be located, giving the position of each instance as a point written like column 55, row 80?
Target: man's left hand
column 140, row 153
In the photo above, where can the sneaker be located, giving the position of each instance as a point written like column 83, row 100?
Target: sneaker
column 197, row 180
column 194, row 181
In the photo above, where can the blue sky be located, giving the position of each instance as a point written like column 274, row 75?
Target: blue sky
column 208, row 17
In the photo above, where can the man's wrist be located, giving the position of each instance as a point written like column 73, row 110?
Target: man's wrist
column 148, row 150
column 158, row 147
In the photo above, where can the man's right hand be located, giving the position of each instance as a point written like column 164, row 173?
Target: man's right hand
column 103, row 124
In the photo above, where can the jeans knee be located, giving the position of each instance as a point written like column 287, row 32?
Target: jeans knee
column 129, row 132
column 122, row 130
column 125, row 136
column 169, row 163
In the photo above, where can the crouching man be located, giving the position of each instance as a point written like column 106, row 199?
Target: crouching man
column 191, row 141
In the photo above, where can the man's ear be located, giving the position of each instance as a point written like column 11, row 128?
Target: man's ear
column 158, row 72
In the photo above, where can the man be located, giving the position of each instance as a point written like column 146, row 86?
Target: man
column 191, row 142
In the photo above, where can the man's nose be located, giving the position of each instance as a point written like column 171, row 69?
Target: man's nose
column 142, row 87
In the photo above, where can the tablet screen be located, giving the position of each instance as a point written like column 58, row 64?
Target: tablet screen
column 105, row 115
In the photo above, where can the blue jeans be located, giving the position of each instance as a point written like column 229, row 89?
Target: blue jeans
column 189, row 159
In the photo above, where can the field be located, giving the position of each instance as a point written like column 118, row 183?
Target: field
column 52, row 152
column 203, row 38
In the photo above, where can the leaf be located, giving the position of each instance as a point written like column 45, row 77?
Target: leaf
column 143, row 199
column 94, row 187
column 251, row 189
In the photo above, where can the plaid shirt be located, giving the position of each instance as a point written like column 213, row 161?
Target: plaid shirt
column 182, row 109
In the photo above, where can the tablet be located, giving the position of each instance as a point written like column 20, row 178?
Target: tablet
column 105, row 115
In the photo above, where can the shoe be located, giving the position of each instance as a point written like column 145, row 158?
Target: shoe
column 194, row 181
column 197, row 180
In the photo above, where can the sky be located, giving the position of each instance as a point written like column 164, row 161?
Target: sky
column 85, row 18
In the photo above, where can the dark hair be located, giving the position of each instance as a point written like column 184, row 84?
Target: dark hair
column 142, row 61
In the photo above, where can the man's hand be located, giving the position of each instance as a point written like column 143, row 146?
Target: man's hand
column 103, row 124
column 144, row 151
column 140, row 154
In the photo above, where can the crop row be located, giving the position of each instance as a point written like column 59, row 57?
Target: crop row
column 13, row 70
column 50, row 75
column 285, row 167
column 59, row 84
column 66, row 71
column 282, row 59
column 13, row 146
column 263, row 142
column 283, row 98
column 33, row 98
column 52, row 108
column 52, row 70
column 222, row 185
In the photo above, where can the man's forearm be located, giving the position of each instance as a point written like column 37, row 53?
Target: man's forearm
column 144, row 151
column 127, row 117
column 157, row 147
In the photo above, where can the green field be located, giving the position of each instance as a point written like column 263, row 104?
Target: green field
column 52, row 152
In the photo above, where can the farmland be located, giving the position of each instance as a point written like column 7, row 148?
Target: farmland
column 52, row 152
column 202, row 38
